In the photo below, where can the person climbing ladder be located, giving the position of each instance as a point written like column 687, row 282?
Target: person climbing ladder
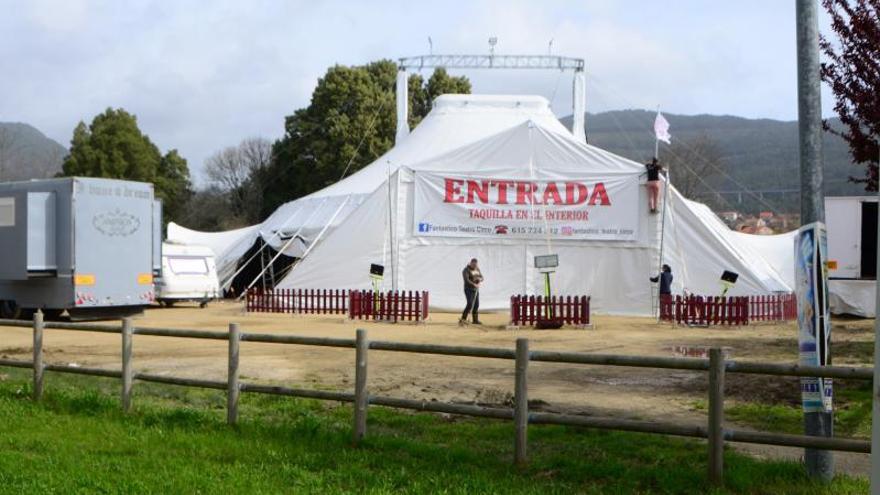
column 654, row 169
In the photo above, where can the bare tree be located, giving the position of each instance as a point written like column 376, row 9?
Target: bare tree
column 236, row 170
column 693, row 164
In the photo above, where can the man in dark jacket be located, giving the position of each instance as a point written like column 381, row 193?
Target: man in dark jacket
column 472, row 280
column 665, row 279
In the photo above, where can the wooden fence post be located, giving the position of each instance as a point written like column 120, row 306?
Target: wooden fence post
column 38, row 355
column 716, row 416
column 361, row 399
column 521, row 402
column 127, row 374
column 232, row 387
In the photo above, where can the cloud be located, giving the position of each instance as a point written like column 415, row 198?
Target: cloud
column 202, row 76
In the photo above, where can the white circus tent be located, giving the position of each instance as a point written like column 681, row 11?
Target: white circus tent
column 500, row 179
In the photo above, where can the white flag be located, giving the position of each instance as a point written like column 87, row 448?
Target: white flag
column 661, row 128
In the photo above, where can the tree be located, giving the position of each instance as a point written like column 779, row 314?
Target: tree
column 853, row 72
column 236, row 172
column 693, row 163
column 349, row 122
column 421, row 96
column 114, row 147
column 208, row 210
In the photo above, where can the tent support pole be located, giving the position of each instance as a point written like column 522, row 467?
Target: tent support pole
column 655, row 303
column 228, row 283
column 317, row 238
column 285, row 246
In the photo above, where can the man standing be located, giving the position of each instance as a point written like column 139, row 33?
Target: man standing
column 472, row 280
column 665, row 279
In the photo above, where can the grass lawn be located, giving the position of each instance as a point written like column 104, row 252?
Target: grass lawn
column 852, row 413
column 176, row 441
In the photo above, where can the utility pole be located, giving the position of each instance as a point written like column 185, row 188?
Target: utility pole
column 875, row 420
column 819, row 463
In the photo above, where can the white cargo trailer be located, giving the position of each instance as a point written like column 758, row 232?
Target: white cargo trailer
column 852, row 254
column 852, row 237
column 88, row 246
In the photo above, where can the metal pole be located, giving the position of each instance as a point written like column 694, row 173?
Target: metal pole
column 662, row 221
column 391, row 233
column 875, row 421
column 521, row 402
column 819, row 463
column 38, row 355
column 127, row 374
column 716, row 416
column 361, row 399
column 232, row 387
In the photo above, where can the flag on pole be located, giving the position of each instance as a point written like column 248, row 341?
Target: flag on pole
column 661, row 128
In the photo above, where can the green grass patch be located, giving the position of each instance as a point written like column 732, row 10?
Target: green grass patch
column 176, row 441
column 852, row 414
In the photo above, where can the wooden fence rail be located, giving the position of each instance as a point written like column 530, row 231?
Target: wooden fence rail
column 529, row 310
column 731, row 311
column 715, row 431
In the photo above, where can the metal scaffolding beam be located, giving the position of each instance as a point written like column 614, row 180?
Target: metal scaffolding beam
column 491, row 62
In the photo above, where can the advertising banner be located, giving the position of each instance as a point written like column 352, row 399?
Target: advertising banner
column 450, row 205
column 814, row 324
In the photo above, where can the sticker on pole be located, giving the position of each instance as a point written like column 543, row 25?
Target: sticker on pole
column 814, row 324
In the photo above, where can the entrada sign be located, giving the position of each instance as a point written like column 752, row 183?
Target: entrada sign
column 565, row 208
column 503, row 192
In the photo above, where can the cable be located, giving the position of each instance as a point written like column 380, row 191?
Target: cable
column 369, row 128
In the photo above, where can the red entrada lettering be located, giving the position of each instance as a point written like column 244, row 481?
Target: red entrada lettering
column 499, row 192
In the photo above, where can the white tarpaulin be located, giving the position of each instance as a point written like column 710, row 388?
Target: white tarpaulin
column 456, row 205
column 228, row 246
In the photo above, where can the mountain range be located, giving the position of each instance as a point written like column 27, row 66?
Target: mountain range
column 759, row 157
column 26, row 153
column 756, row 169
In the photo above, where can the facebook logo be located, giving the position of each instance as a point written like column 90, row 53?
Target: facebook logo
column 424, row 227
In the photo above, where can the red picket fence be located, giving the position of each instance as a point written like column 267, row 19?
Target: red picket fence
column 781, row 307
column 572, row 310
column 302, row 301
column 716, row 310
column 390, row 306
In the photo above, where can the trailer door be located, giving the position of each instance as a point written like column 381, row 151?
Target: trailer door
column 844, row 237
column 869, row 239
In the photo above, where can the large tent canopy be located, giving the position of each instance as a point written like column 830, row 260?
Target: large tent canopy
column 500, row 179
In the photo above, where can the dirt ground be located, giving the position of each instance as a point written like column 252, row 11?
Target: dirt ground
column 614, row 391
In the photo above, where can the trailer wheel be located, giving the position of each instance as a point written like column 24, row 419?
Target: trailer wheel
column 52, row 314
column 10, row 310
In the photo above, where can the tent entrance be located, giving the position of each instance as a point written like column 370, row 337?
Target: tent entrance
column 257, row 263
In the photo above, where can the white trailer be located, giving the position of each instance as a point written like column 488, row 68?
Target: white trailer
column 189, row 273
column 852, row 254
column 852, row 237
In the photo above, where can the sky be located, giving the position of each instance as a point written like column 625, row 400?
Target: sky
column 201, row 76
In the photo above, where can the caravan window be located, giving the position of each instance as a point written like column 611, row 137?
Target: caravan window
column 187, row 265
